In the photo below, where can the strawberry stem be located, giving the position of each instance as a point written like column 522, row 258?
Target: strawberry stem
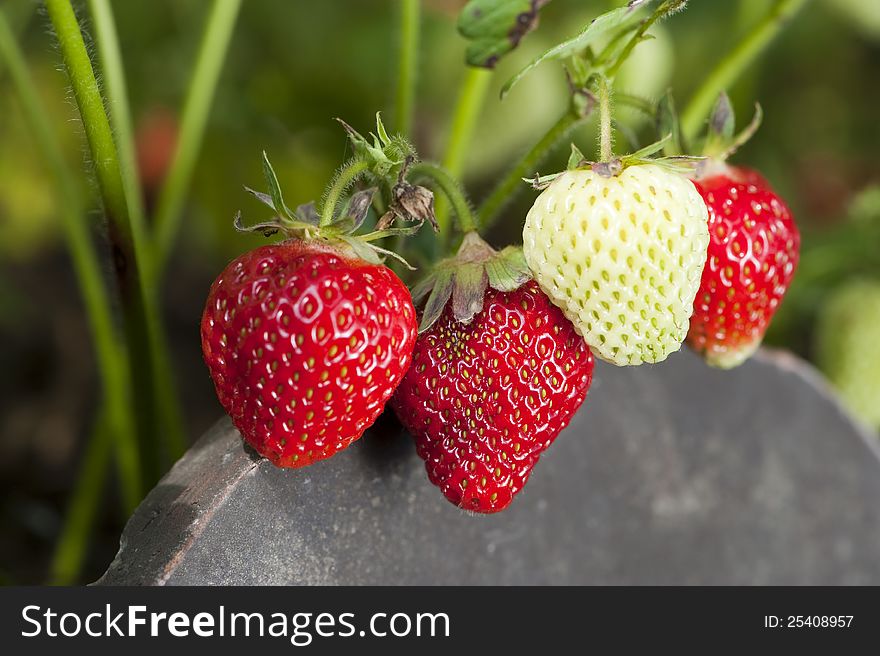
column 451, row 190
column 167, row 407
column 467, row 111
column 512, row 183
column 730, row 68
column 407, row 65
column 343, row 180
column 110, row 353
column 153, row 388
column 606, row 147
column 194, row 118
column 668, row 7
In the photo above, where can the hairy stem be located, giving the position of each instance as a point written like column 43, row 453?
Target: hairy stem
column 407, row 65
column 343, row 180
column 209, row 63
column 110, row 353
column 464, row 121
column 167, row 409
column 730, row 68
column 606, row 144
column 153, row 384
column 115, row 87
column 667, row 7
column 94, row 117
column 512, row 183
column 451, row 190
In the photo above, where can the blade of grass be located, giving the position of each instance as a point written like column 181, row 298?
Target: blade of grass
column 197, row 106
column 110, row 354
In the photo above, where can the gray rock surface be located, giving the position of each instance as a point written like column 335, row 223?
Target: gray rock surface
column 670, row 474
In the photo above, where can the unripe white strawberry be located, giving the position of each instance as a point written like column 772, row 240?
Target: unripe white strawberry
column 622, row 256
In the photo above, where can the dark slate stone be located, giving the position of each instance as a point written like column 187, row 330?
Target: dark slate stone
column 670, row 474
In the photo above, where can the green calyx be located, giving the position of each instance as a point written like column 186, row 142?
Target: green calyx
column 464, row 278
column 306, row 223
column 721, row 139
column 681, row 164
column 383, row 154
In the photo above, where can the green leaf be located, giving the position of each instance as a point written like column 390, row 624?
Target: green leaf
column 403, row 231
column 468, row 291
column 647, row 151
column 373, row 153
column 381, row 131
column 495, row 27
column 267, row 228
column 575, row 159
column 392, row 254
column 722, row 121
column 362, row 250
column 747, row 133
column 266, row 199
column 355, row 212
column 681, row 164
column 668, row 124
column 422, row 289
column 440, row 294
column 599, row 27
column 508, row 270
column 307, row 213
column 275, row 188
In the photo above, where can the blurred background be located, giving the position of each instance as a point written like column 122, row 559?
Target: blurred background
column 294, row 65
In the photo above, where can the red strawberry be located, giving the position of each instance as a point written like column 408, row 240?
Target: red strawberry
column 753, row 252
column 484, row 399
column 305, row 344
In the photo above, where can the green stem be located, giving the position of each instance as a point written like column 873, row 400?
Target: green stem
column 509, row 186
column 212, row 53
column 71, row 546
column 154, row 388
column 166, row 406
column 407, row 65
column 467, row 111
column 639, row 34
column 347, row 175
column 451, row 190
column 730, row 68
column 114, row 84
column 110, row 354
column 637, row 103
column 606, row 144
column 94, row 117
column 464, row 121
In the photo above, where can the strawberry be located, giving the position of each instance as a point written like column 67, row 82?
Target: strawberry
column 305, row 344
column 308, row 338
column 621, row 255
column 484, row 398
column 753, row 252
column 847, row 346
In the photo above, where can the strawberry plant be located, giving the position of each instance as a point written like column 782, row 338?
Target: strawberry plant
column 624, row 257
column 386, row 289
